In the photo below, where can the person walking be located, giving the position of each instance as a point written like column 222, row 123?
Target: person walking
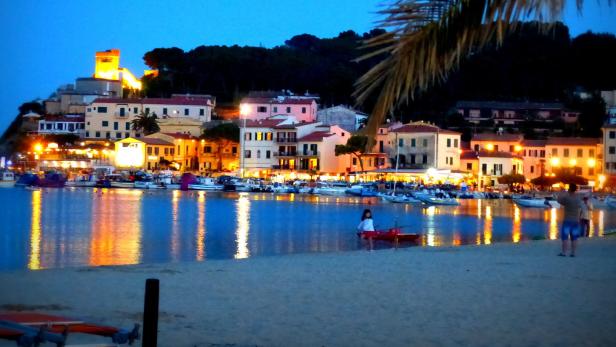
column 585, row 213
column 570, row 229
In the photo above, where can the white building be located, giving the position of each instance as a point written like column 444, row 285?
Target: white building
column 67, row 124
column 304, row 109
column 282, row 145
column 343, row 116
column 488, row 166
column 111, row 117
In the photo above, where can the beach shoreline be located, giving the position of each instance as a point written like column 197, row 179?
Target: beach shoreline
column 502, row 294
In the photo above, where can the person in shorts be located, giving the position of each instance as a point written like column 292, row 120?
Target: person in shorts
column 571, row 222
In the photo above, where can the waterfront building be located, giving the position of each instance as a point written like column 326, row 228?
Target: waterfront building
column 499, row 142
column 513, row 113
column 488, row 166
column 181, row 125
column 580, row 156
column 281, row 145
column 256, row 107
column 107, row 66
column 111, row 118
column 70, row 157
column 342, row 116
column 533, row 152
column 62, row 124
column 143, row 154
column 609, row 152
column 218, row 156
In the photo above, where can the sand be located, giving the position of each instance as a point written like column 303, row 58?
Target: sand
column 498, row 295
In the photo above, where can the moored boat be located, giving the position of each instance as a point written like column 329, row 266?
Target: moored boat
column 7, row 179
column 536, row 202
column 392, row 235
column 205, row 183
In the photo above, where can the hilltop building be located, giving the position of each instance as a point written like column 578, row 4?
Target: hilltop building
column 514, row 113
column 262, row 105
column 342, row 116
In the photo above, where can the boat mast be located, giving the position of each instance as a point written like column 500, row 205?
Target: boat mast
column 397, row 159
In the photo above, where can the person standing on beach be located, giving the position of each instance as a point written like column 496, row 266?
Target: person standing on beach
column 570, row 228
column 585, row 212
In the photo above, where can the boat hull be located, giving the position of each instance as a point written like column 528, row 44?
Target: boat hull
column 206, row 187
column 536, row 203
column 392, row 235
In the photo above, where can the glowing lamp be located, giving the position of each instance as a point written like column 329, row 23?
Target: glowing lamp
column 38, row 147
column 555, row 161
column 244, row 109
column 572, row 162
column 82, row 144
column 601, row 179
column 517, row 148
column 591, row 162
column 52, row 145
column 490, row 147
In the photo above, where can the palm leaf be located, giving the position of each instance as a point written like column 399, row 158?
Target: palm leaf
column 427, row 39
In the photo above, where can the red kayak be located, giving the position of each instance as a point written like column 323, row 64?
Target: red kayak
column 393, row 234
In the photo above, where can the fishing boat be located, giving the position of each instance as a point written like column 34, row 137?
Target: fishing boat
column 205, row 183
column 27, row 179
column 436, row 200
column 547, row 202
column 392, row 235
column 52, row 180
column 362, row 191
column 118, row 181
column 400, row 199
column 323, row 188
column 7, row 179
column 82, row 181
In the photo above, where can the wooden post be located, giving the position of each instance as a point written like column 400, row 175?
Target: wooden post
column 150, row 313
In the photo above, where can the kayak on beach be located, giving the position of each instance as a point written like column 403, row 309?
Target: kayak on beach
column 392, row 234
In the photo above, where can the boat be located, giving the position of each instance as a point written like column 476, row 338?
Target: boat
column 118, row 181
column 362, row 191
column 611, row 203
column 82, row 181
column 7, row 179
column 27, row 179
column 392, row 235
column 32, row 329
column 329, row 189
column 205, row 183
column 52, row 180
column 436, row 200
column 536, row 202
column 400, row 199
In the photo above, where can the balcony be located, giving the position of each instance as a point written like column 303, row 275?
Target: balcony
column 286, row 140
column 284, row 167
column 120, row 115
column 285, row 154
column 310, row 154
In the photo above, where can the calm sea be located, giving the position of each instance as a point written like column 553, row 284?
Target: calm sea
column 53, row 228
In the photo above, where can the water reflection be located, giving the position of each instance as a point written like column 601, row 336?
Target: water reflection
column 516, row 233
column 34, row 262
column 553, row 233
column 431, row 238
column 175, row 225
column 487, row 226
column 116, row 237
column 201, row 226
column 243, row 224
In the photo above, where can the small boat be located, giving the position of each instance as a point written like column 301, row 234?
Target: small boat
column 7, row 179
column 536, row 202
column 26, row 180
column 400, row 199
column 118, row 181
column 433, row 200
column 52, row 180
column 146, row 184
column 82, row 181
column 362, row 191
column 329, row 189
column 392, row 234
column 205, row 183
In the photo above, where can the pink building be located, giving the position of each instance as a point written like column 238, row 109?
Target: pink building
column 304, row 109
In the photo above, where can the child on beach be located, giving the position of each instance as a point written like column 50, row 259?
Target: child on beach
column 585, row 212
column 366, row 222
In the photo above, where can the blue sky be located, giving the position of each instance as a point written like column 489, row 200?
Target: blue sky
column 48, row 43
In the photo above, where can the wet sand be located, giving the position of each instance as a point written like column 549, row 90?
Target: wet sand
column 498, row 295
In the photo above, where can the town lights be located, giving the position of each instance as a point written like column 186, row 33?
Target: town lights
column 555, row 161
column 244, row 109
column 38, row 148
column 490, row 147
column 591, row 162
column 517, row 148
column 601, row 179
column 572, row 162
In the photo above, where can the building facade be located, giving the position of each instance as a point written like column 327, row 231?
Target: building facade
column 488, row 166
column 304, row 109
column 67, row 124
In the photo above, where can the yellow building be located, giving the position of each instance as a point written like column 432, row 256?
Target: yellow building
column 108, row 67
column 488, row 166
column 211, row 157
column 511, row 143
column 142, row 154
column 580, row 156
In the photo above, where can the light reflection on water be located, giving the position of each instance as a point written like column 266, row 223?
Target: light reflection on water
column 56, row 228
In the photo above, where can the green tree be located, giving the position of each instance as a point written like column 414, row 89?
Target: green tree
column 355, row 146
column 223, row 135
column 512, row 179
column 146, row 123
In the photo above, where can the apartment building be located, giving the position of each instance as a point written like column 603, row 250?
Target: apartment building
column 303, row 109
column 488, row 166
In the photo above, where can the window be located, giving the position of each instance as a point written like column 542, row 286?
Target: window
column 400, row 142
column 554, row 152
column 591, row 171
column 172, row 151
column 164, row 111
column 476, row 148
column 87, row 134
column 187, row 112
column 115, row 125
column 105, row 123
column 268, row 154
column 424, row 159
column 258, row 154
column 108, row 135
column 413, row 142
column 612, row 150
column 484, row 169
column 303, row 110
column 166, row 151
column 48, row 126
column 269, row 136
column 126, row 135
column 149, row 150
column 233, row 150
column 147, row 110
column 578, row 171
column 425, row 142
column 127, row 126
column 354, row 161
column 258, row 137
column 496, row 148
column 59, row 126
column 580, row 153
column 412, row 158
column 566, row 153
column 201, row 112
column 261, row 109
column 207, row 149
column 97, row 134
column 122, row 113
column 275, row 109
column 542, row 153
column 135, row 110
column 288, row 109
column 102, row 109
column 42, row 126
column 612, row 134
column 510, row 148
column 156, row 150
column 591, row 153
column 532, row 169
column 118, row 135
column 179, row 150
column 469, row 166
column 455, row 143
column 248, row 136
column 247, row 153
column 448, row 143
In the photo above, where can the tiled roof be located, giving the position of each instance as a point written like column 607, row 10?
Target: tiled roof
column 264, row 123
column 486, row 154
column 180, row 136
column 279, row 101
column 512, row 105
column 182, row 101
column 497, row 137
column 155, row 141
column 573, row 141
column 315, row 136
column 423, row 128
column 293, row 126
column 534, row 143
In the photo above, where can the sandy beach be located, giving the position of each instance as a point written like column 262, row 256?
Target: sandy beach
column 498, row 295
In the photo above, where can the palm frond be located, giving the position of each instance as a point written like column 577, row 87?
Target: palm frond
column 426, row 39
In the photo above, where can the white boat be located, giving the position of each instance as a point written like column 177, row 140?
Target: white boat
column 400, row 199
column 7, row 179
column 432, row 200
column 82, row 181
column 147, row 184
column 328, row 189
column 537, row 202
column 206, row 183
